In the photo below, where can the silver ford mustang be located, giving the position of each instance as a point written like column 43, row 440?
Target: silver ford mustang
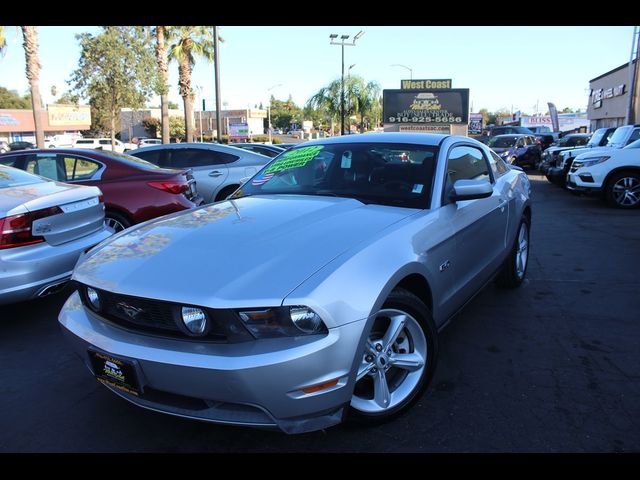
column 316, row 290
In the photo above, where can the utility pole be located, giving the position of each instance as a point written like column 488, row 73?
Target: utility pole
column 216, row 61
column 634, row 80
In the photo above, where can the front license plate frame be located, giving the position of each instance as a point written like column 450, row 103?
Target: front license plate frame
column 115, row 372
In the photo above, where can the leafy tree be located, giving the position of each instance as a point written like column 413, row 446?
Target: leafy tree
column 116, row 70
column 189, row 43
column 172, row 105
column 177, row 128
column 163, row 83
column 151, row 125
column 67, row 98
column 32, row 57
column 11, row 99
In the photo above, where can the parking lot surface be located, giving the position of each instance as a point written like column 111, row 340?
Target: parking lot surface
column 553, row 366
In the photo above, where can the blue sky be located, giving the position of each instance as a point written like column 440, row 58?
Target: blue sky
column 504, row 67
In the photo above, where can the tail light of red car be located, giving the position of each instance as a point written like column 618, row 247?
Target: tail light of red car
column 170, row 186
column 15, row 230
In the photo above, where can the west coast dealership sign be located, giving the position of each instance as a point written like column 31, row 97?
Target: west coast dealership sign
column 449, row 106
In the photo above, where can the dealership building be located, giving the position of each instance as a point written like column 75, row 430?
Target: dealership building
column 609, row 98
column 18, row 125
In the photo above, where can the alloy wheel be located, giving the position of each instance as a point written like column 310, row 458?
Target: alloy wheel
column 626, row 191
column 114, row 224
column 522, row 251
column 393, row 363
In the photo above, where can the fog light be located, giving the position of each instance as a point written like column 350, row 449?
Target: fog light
column 94, row 298
column 194, row 319
column 306, row 319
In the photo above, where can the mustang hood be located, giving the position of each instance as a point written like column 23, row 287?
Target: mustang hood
column 239, row 253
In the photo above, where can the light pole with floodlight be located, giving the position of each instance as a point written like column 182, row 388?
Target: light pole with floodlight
column 342, row 43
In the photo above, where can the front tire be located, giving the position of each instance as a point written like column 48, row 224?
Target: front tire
column 515, row 266
column 398, row 361
column 623, row 190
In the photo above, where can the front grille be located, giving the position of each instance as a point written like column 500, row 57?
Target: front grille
column 145, row 313
column 161, row 318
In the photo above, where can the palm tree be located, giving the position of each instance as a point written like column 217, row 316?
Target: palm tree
column 30, row 43
column 361, row 99
column 190, row 43
column 163, row 70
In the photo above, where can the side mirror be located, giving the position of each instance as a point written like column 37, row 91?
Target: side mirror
column 470, row 190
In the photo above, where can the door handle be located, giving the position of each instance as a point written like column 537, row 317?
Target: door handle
column 215, row 173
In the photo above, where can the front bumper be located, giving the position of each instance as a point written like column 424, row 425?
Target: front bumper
column 26, row 271
column 575, row 184
column 257, row 383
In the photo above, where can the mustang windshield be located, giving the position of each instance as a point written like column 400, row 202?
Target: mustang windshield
column 383, row 173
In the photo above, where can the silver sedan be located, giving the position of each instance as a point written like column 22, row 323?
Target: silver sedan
column 218, row 169
column 316, row 291
column 44, row 227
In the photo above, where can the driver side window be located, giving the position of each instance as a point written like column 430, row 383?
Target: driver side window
column 465, row 163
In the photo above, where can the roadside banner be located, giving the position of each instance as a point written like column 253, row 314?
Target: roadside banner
column 553, row 112
column 475, row 123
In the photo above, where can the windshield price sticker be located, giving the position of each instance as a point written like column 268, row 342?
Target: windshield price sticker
column 294, row 159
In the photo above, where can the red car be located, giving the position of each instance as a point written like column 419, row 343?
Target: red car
column 134, row 190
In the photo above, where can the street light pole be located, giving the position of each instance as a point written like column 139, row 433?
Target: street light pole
column 404, row 66
column 342, row 43
column 269, row 110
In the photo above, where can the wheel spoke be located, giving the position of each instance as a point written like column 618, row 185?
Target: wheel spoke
column 395, row 327
column 365, row 368
column 407, row 361
column 381, row 393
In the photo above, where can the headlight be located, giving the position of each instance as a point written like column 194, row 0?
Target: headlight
column 505, row 153
column 282, row 322
column 94, row 299
column 194, row 320
column 590, row 161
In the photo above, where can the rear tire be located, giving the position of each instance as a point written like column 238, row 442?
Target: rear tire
column 398, row 362
column 515, row 266
column 116, row 221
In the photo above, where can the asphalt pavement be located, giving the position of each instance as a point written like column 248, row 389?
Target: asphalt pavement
column 553, row 366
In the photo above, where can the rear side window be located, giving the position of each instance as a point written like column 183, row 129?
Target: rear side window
column 196, row 157
column 48, row 166
column 79, row 168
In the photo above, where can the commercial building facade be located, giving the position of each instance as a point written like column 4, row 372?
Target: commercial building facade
column 18, row 125
column 609, row 98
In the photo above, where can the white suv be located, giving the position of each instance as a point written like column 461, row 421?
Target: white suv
column 98, row 143
column 615, row 173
